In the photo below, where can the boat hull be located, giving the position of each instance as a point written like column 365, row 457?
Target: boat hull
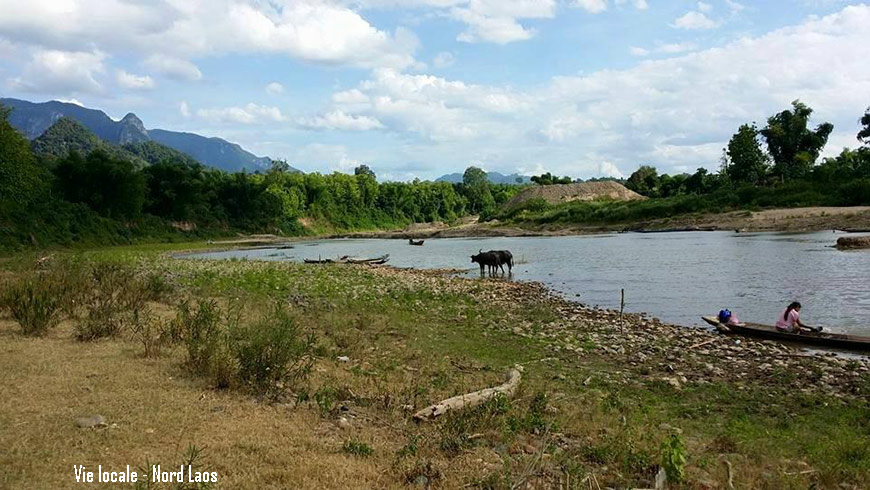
column 823, row 339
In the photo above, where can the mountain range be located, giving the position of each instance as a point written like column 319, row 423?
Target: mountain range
column 494, row 177
column 35, row 119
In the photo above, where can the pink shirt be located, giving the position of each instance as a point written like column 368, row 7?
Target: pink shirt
column 789, row 323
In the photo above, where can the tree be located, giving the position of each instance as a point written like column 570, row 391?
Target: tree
column 19, row 174
column 550, row 179
column 644, row 181
column 864, row 134
column 364, row 170
column 111, row 186
column 748, row 162
column 476, row 189
column 793, row 146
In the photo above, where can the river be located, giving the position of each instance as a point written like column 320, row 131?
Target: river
column 676, row 277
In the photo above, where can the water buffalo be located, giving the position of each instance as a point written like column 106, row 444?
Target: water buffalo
column 494, row 259
column 486, row 259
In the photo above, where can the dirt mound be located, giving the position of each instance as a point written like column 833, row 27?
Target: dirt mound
column 587, row 191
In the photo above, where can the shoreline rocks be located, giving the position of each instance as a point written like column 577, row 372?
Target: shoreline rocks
column 853, row 242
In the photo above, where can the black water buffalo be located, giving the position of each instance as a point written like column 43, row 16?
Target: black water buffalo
column 494, row 259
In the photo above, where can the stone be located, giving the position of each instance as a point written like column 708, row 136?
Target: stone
column 91, row 422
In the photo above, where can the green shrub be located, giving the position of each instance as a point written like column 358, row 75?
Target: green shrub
column 357, row 448
column 674, row 458
column 114, row 296
column 35, row 303
column 150, row 332
column 273, row 353
column 201, row 329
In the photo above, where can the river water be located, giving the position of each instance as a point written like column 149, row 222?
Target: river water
column 676, row 277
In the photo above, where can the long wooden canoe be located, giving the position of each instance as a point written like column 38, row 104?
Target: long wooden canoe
column 827, row 339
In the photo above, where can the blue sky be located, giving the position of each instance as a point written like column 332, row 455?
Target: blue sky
column 420, row 88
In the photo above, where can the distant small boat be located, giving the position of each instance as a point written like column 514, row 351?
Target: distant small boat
column 350, row 260
column 411, row 241
column 827, row 339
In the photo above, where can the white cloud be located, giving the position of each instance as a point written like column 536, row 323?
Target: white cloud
column 735, row 7
column 184, row 109
column 135, row 82
column 705, row 7
column 608, row 169
column 317, row 31
column 637, row 51
column 443, row 59
column 695, row 20
column 174, row 68
column 497, row 21
column 61, row 72
column 339, row 120
column 248, row 114
column 591, row 6
column 674, row 113
column 274, row 88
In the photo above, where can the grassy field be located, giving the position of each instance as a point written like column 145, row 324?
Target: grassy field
column 362, row 349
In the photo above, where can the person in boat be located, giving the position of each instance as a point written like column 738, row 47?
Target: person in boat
column 727, row 318
column 789, row 320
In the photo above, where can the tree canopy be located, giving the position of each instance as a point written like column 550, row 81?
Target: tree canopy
column 792, row 145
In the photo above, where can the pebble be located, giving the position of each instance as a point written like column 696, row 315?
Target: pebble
column 90, row 422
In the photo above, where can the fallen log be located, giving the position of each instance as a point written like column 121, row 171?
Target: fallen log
column 474, row 399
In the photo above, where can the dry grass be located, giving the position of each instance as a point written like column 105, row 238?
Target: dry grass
column 411, row 339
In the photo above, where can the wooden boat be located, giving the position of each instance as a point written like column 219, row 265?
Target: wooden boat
column 350, row 260
column 826, row 339
column 411, row 241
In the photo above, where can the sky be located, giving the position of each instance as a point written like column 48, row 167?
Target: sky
column 421, row 88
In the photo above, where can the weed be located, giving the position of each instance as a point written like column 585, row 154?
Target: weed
column 273, row 353
column 148, row 331
column 113, row 298
column 357, row 448
column 35, row 303
column 674, row 458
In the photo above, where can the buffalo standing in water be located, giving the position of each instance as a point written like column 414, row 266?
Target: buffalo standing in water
column 493, row 259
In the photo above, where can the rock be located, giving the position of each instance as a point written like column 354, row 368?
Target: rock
column 343, row 359
column 421, row 480
column 90, row 422
column 344, row 423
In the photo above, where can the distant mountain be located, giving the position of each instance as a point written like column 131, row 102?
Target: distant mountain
column 494, row 177
column 33, row 119
column 68, row 135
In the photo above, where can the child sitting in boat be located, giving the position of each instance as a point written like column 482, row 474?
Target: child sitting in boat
column 789, row 320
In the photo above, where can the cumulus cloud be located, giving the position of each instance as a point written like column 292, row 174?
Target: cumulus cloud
column 174, row 68
column 695, row 20
column 339, row 120
column 135, row 82
column 274, row 88
column 497, row 21
column 248, row 114
column 184, row 109
column 61, row 72
column 675, row 113
column 311, row 30
column 592, row 6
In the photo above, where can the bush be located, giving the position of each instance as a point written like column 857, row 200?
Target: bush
column 273, row 353
column 150, row 332
column 674, row 458
column 35, row 303
column 357, row 448
column 114, row 296
column 205, row 336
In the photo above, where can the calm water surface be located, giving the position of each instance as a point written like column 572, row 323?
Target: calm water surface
column 674, row 276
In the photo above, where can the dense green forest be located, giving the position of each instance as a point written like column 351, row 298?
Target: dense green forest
column 775, row 166
column 69, row 187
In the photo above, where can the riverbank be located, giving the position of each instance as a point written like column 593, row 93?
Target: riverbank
column 598, row 398
column 772, row 220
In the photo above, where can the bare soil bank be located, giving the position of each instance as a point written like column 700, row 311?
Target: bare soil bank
column 790, row 220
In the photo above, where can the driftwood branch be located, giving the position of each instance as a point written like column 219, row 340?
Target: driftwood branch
column 474, row 399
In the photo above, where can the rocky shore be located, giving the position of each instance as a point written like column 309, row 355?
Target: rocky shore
column 853, row 243
column 646, row 348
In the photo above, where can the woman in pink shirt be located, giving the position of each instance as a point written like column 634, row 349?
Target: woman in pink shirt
column 789, row 320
